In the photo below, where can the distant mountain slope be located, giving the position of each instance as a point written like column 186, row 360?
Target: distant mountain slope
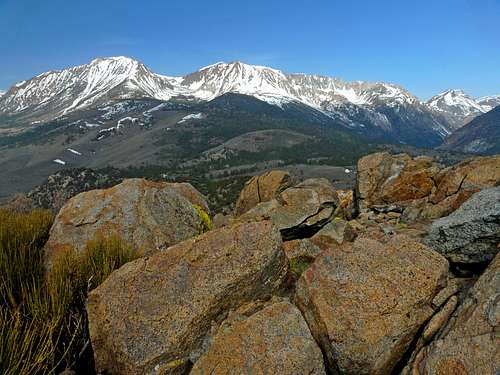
column 481, row 135
column 489, row 102
column 458, row 107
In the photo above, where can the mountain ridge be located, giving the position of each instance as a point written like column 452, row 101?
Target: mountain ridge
column 62, row 91
column 373, row 110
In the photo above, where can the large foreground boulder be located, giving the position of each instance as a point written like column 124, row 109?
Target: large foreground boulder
column 149, row 215
column 262, row 189
column 471, row 234
column 299, row 211
column 152, row 315
column 470, row 344
column 365, row 302
column 274, row 340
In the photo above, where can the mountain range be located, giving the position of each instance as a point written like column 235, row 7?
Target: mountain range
column 376, row 109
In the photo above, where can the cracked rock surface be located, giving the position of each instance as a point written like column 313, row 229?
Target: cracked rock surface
column 418, row 187
column 299, row 211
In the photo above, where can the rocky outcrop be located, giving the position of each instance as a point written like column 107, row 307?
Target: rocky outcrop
column 262, row 189
column 365, row 302
column 152, row 315
column 299, row 211
column 469, row 344
column 418, row 187
column 151, row 216
column 471, row 234
column 272, row 340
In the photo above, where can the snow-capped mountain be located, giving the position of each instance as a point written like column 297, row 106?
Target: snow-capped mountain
column 55, row 93
column 375, row 109
column 275, row 87
column 2, row 93
column 458, row 107
column 120, row 77
column 489, row 102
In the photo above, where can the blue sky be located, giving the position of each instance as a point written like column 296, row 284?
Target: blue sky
column 425, row 45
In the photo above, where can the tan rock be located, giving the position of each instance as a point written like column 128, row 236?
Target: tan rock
column 470, row 344
column 334, row 233
column 149, row 215
column 347, row 205
column 394, row 215
column 301, row 249
column 273, row 340
column 299, row 211
column 365, row 302
column 221, row 220
column 154, row 313
column 373, row 171
column 474, row 174
column 414, row 181
column 262, row 189
column 452, row 287
column 447, row 205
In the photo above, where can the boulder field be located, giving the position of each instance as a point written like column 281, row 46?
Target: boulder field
column 399, row 276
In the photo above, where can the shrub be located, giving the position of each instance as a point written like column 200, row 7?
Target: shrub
column 206, row 223
column 43, row 324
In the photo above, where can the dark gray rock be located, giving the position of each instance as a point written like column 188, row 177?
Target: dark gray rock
column 471, row 234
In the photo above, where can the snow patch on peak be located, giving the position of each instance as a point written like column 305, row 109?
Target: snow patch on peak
column 489, row 102
column 212, row 65
column 123, row 60
column 456, row 100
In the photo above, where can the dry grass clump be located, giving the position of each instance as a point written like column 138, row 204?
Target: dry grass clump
column 42, row 316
